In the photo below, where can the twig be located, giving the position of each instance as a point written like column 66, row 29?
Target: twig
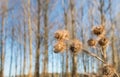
column 99, row 49
column 116, row 74
column 92, row 54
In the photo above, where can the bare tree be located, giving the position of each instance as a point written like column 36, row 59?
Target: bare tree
column 2, row 52
column 4, row 7
column 24, row 63
column 38, row 41
column 30, row 38
column 74, row 58
column 46, row 37
column 11, row 59
column 25, row 34
column 102, row 18
column 113, row 37
column 66, row 27
column 16, row 59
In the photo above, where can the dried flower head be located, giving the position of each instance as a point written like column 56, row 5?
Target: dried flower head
column 58, row 34
column 103, row 41
column 99, row 30
column 108, row 70
column 60, row 46
column 62, row 35
column 92, row 42
column 75, row 46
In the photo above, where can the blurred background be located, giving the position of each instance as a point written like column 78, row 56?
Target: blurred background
column 27, row 30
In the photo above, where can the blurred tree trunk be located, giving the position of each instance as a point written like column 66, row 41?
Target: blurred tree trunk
column 62, row 66
column 0, row 51
column 21, row 55
column 38, row 41
column 16, row 59
column 83, row 55
column 114, row 50
column 11, row 59
column 46, row 3
column 67, row 56
column 24, row 63
column 66, row 27
column 20, row 48
column 74, row 58
column 2, row 46
column 102, row 12
column 101, row 9
column 30, row 38
column 4, row 8
column 25, row 34
column 20, row 58
column 53, row 65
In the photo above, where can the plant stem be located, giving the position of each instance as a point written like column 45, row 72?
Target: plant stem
column 94, row 55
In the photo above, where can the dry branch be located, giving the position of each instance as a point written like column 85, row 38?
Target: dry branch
column 92, row 54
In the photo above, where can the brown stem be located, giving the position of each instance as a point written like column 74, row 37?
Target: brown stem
column 104, row 54
column 92, row 54
column 116, row 74
column 99, row 49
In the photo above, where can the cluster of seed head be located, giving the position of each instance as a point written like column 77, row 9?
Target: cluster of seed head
column 108, row 71
column 61, row 36
column 91, row 42
column 99, row 31
column 75, row 46
column 103, row 41
column 60, row 46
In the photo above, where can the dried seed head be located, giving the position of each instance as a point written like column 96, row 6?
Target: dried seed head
column 99, row 30
column 92, row 42
column 75, row 46
column 65, row 35
column 58, row 35
column 103, row 41
column 60, row 46
column 62, row 35
column 108, row 70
